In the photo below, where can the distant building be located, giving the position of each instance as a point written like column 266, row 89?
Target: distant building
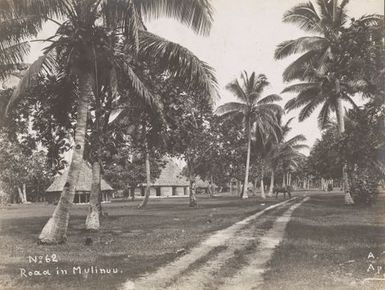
column 171, row 182
column 83, row 187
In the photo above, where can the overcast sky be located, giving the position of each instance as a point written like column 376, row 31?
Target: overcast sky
column 243, row 37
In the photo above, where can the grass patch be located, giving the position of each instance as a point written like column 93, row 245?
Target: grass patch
column 326, row 246
column 134, row 241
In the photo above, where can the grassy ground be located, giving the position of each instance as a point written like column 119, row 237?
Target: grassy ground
column 131, row 241
column 327, row 246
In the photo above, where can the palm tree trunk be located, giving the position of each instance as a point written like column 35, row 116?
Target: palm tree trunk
column 21, row 196
column 341, row 129
column 289, row 178
column 55, row 230
column 246, row 183
column 95, row 203
column 192, row 194
column 262, row 184
column 92, row 220
column 283, row 179
column 148, row 177
column 270, row 194
column 211, row 186
column 255, row 185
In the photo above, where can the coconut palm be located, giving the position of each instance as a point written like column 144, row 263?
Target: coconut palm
column 284, row 151
column 323, row 82
column 263, row 146
column 96, row 35
column 257, row 112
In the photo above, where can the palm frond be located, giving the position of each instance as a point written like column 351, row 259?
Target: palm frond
column 38, row 10
column 303, row 98
column 43, row 65
column 197, row 14
column 137, row 85
column 179, row 61
column 299, row 45
column 231, row 107
column 300, row 87
column 269, row 108
column 300, row 146
column 238, row 91
column 324, row 116
column 300, row 67
column 10, row 56
column 372, row 20
column 309, row 109
column 13, row 53
column 305, row 16
column 350, row 100
column 257, row 85
column 132, row 26
column 17, row 28
column 269, row 99
column 295, row 140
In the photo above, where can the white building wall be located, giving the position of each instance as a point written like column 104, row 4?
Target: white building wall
column 166, row 191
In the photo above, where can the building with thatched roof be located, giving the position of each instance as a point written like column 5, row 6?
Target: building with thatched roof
column 83, row 187
column 170, row 182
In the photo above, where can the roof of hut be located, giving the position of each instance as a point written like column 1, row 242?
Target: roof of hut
column 84, row 182
column 171, row 175
column 202, row 183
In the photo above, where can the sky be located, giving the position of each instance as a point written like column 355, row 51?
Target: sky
column 243, row 37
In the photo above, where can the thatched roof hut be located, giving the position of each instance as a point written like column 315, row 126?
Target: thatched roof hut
column 170, row 182
column 83, row 187
column 171, row 175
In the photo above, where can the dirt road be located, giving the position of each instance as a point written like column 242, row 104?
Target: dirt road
column 232, row 258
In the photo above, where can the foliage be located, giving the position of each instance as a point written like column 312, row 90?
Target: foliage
column 18, row 167
column 362, row 146
column 324, row 160
column 329, row 68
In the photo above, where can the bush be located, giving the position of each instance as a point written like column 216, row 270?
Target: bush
column 364, row 185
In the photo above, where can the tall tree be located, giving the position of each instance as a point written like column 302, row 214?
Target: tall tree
column 283, row 151
column 320, row 68
column 262, row 113
column 83, row 42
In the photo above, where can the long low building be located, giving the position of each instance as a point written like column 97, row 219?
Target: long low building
column 83, row 187
column 170, row 182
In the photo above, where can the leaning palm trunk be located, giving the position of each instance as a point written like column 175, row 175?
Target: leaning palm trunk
column 246, row 183
column 55, row 230
column 341, row 129
column 270, row 194
column 262, row 185
column 148, row 178
column 92, row 220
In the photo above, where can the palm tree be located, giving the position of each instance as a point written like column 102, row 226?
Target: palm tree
column 259, row 112
column 263, row 144
column 83, row 45
column 323, row 81
column 283, row 151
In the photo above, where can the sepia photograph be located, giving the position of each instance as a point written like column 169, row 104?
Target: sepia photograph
column 192, row 144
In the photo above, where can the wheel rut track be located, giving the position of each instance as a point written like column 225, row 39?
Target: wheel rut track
column 209, row 265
